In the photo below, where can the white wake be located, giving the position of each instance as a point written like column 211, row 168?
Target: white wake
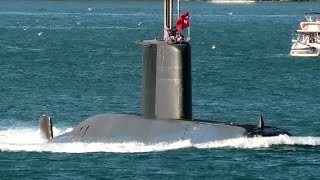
column 18, row 140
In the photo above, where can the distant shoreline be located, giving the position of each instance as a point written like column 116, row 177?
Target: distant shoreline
column 245, row 1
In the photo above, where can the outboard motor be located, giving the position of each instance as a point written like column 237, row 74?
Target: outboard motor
column 45, row 125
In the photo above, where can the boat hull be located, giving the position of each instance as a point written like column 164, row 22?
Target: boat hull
column 299, row 49
column 134, row 128
column 128, row 128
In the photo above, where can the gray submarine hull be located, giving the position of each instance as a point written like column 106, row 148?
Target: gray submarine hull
column 124, row 128
column 134, row 128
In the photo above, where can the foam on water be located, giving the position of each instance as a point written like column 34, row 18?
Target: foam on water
column 262, row 142
column 28, row 140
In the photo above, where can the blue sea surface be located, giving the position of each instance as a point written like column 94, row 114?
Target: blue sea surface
column 75, row 59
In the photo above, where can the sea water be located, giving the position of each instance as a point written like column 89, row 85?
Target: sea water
column 75, row 59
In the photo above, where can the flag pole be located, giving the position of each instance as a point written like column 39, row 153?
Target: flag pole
column 165, row 14
column 171, row 12
column 189, row 26
column 178, row 8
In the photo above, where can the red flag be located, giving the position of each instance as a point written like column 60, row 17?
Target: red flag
column 183, row 21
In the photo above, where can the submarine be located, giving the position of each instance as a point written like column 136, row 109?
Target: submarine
column 166, row 105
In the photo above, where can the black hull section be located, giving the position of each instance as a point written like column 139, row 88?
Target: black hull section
column 265, row 132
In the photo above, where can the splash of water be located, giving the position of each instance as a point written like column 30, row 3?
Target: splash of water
column 29, row 140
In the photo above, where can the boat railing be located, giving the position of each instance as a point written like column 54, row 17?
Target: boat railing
column 312, row 17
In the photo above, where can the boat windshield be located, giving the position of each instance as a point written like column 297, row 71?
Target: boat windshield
column 312, row 17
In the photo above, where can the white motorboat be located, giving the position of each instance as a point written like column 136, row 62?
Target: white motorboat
column 306, row 41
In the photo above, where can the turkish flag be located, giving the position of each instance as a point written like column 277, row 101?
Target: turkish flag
column 183, row 21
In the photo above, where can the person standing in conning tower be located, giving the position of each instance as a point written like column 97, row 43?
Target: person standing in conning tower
column 173, row 34
column 166, row 33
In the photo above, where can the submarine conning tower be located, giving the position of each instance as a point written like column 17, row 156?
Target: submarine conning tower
column 166, row 76
column 166, row 80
